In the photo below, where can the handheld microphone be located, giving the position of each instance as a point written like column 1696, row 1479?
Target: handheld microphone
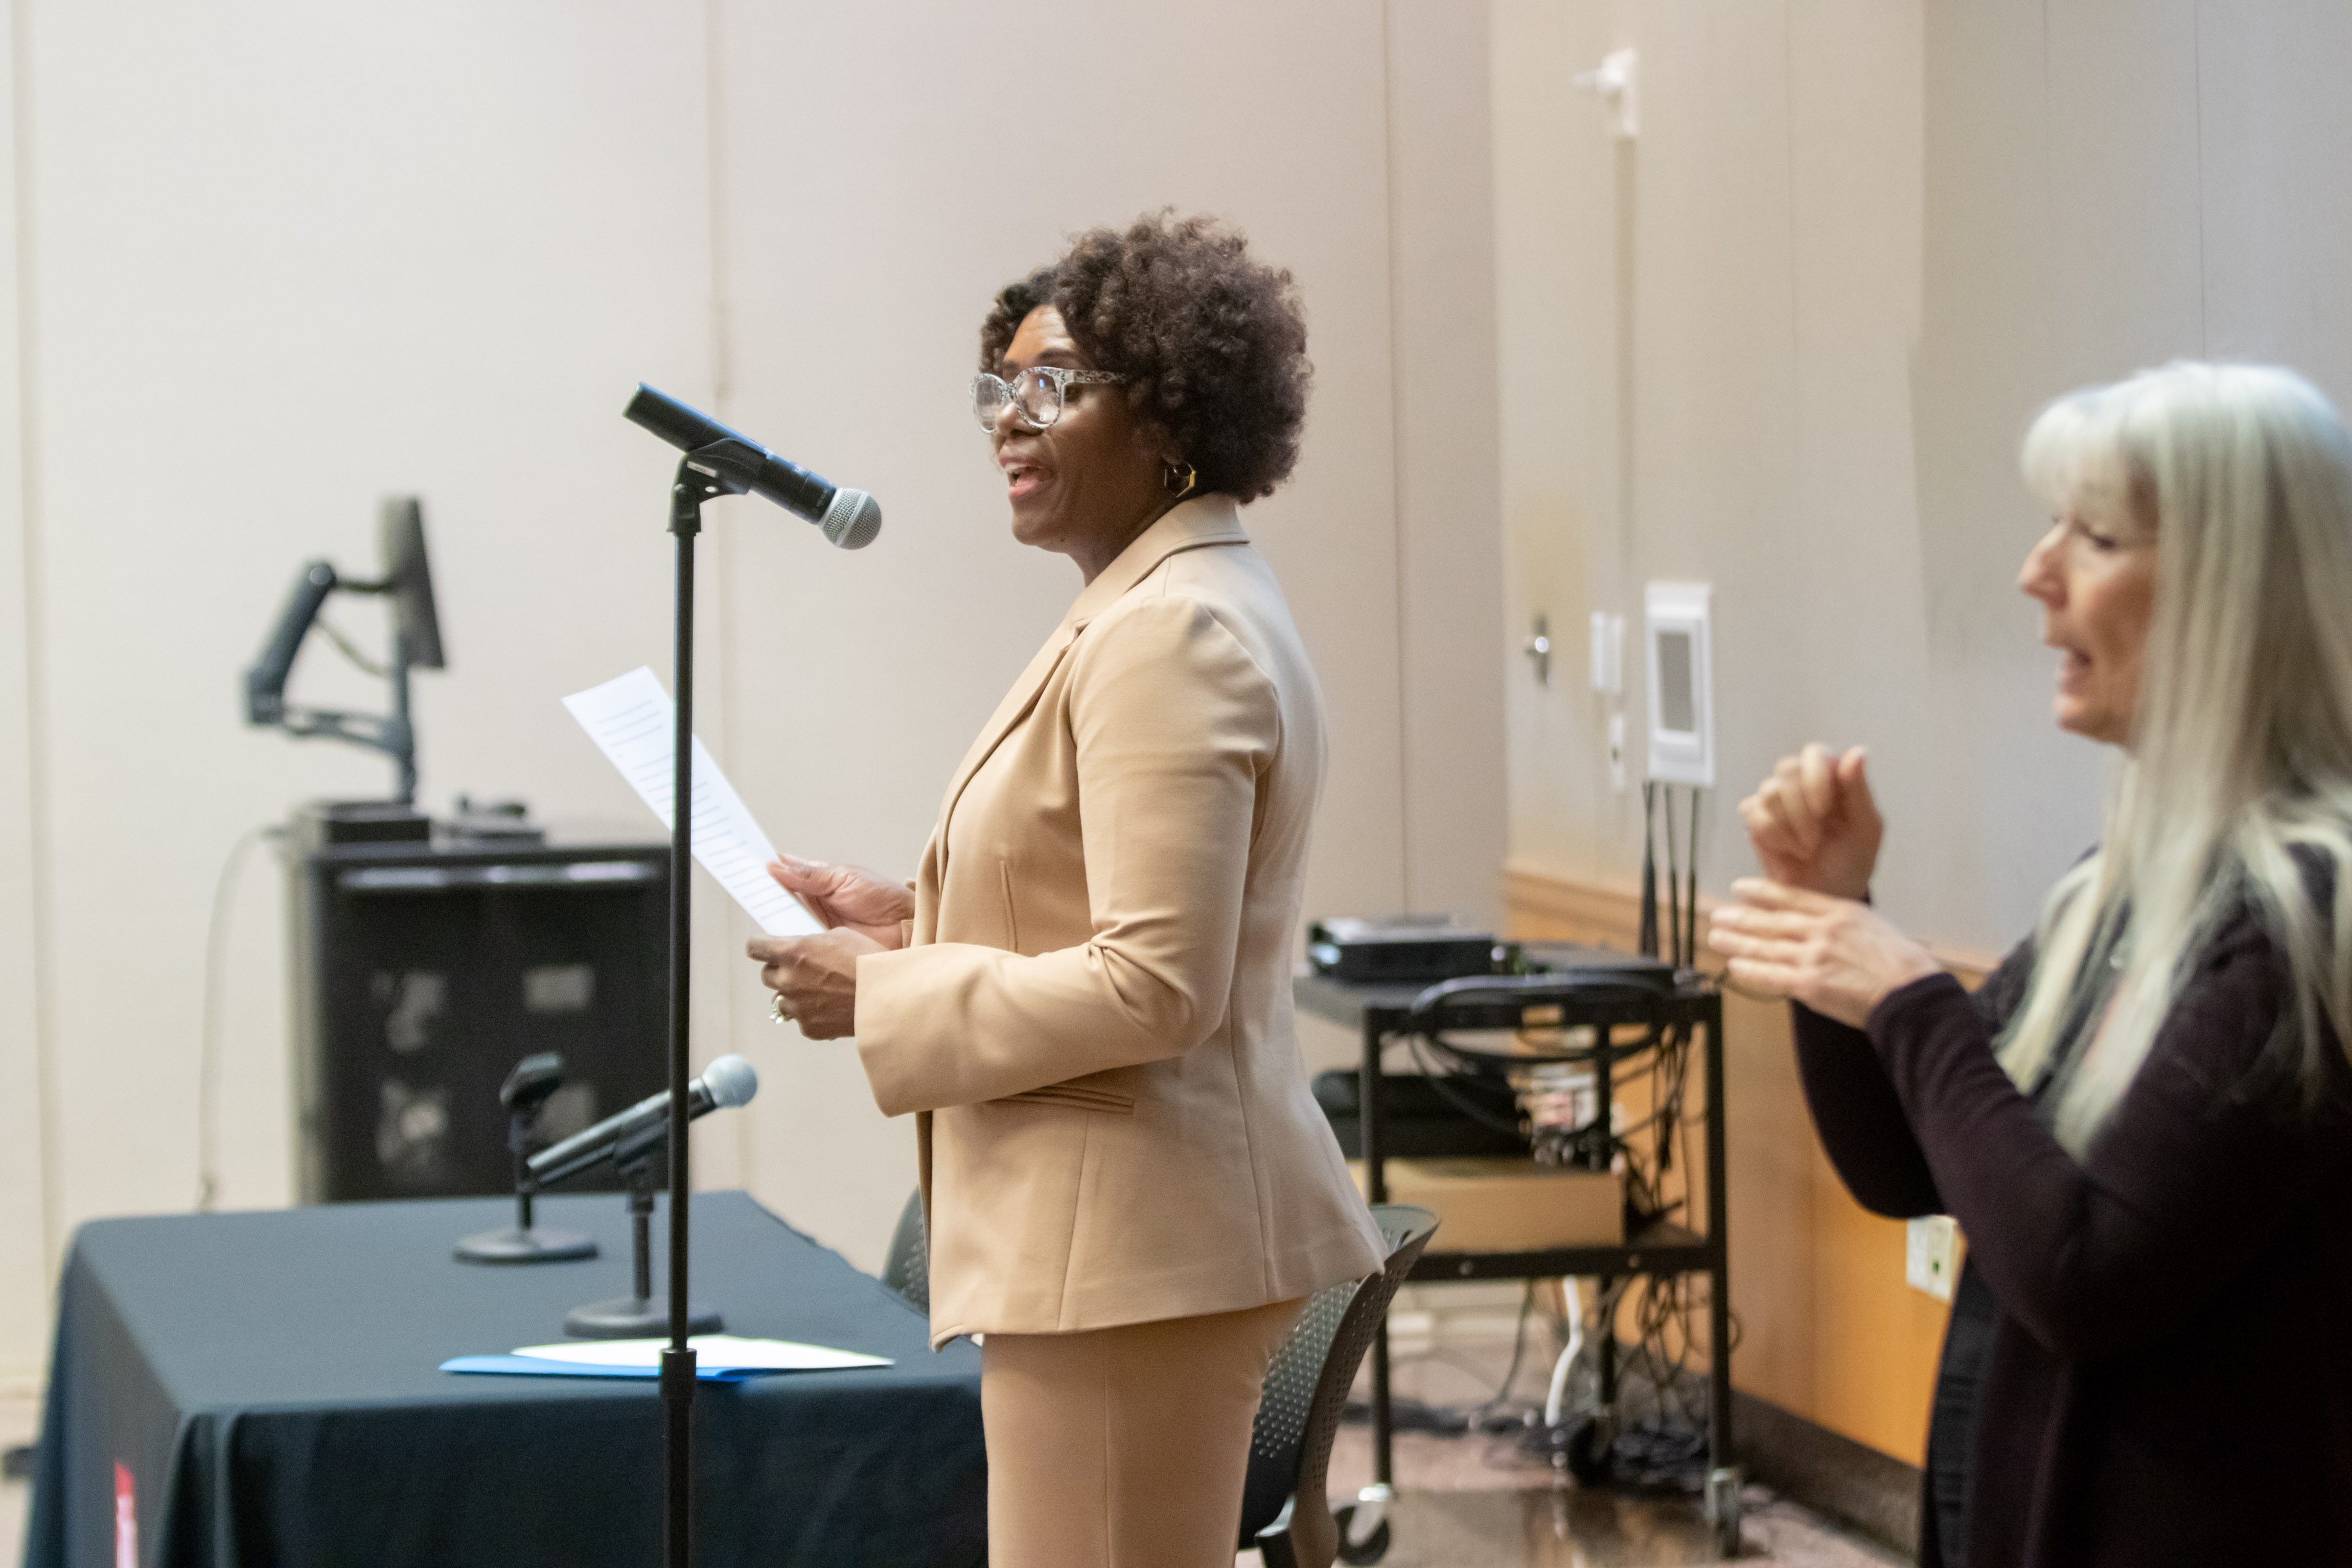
column 849, row 519
column 729, row 1081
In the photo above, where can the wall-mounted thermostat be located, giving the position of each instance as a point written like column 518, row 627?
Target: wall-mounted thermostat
column 1682, row 690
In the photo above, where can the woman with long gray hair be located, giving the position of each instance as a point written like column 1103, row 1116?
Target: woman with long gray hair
column 2143, row 1121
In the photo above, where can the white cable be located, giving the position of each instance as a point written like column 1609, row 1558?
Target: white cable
column 208, row 1042
column 1567, row 1357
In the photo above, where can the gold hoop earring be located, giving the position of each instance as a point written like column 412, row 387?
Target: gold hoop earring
column 1172, row 472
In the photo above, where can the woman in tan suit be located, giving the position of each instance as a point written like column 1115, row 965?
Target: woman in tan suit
column 1086, row 999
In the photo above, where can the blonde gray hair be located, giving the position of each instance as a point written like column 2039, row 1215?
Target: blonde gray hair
column 2240, row 748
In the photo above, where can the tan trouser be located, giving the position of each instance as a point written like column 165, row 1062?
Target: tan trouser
column 1124, row 1448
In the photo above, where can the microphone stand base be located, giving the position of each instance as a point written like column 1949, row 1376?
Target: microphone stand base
column 517, row 1244
column 635, row 1318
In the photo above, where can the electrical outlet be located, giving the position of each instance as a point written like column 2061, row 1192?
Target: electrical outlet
column 1929, row 1249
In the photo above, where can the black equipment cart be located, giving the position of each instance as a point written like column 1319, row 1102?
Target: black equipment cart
column 1571, row 988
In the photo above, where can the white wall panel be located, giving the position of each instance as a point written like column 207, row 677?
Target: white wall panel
column 1851, row 251
column 1566, row 205
column 1452, row 650
column 2277, row 234
column 26, row 1218
column 1717, row 382
column 285, row 259
column 2062, row 246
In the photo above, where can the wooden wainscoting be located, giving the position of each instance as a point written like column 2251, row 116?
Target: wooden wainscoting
column 1827, row 1327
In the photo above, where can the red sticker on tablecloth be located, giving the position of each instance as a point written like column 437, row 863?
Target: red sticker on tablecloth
column 126, row 1518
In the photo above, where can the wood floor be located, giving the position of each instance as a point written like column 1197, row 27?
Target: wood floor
column 1593, row 1529
column 1571, row 1529
column 1482, row 1501
column 1469, row 1502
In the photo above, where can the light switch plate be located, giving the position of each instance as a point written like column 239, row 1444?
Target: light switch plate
column 1608, row 654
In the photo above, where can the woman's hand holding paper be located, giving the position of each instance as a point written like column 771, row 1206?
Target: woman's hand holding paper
column 849, row 897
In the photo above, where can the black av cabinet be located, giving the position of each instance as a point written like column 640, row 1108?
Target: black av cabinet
column 426, row 963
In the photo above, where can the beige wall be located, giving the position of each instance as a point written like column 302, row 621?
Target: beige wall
column 1786, row 342
column 1449, row 548
column 25, row 1216
column 280, row 259
column 933, row 201
column 1705, row 361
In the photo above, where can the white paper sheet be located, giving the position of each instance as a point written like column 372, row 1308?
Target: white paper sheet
column 711, row 1351
column 632, row 721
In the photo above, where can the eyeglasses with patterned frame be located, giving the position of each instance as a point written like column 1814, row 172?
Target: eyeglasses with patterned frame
column 1038, row 394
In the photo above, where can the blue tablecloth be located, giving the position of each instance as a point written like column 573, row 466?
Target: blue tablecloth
column 264, row 1389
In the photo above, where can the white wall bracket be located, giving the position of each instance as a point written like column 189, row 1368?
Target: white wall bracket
column 1614, row 83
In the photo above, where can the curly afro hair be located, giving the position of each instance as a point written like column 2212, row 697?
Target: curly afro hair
column 1211, row 342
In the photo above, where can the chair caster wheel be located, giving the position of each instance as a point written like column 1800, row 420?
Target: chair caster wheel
column 1372, row 1549
column 1591, row 1460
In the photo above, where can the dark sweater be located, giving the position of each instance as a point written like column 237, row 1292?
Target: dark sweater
column 2167, row 1377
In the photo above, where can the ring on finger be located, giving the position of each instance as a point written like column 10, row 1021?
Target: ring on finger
column 778, row 1011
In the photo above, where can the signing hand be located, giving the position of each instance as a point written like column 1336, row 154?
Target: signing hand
column 847, row 898
column 1813, row 824
column 1838, row 957
column 815, row 978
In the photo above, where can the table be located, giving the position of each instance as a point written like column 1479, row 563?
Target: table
column 269, row 1383
column 1381, row 1012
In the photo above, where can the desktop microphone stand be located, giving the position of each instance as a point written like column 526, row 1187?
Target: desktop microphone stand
column 526, row 1243
column 722, row 468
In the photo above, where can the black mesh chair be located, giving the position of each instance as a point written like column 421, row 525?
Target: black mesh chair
column 907, row 1269
column 1283, row 1513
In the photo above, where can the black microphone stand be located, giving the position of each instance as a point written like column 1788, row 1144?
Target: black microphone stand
column 722, row 469
column 525, row 1095
column 641, row 1311
column 526, row 1243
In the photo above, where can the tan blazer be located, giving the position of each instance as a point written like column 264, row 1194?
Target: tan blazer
column 1093, row 1020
